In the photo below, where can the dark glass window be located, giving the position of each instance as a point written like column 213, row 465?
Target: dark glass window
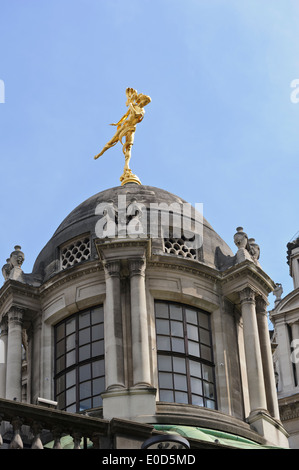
column 185, row 357
column 79, row 360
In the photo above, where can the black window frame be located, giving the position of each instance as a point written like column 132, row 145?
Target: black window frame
column 196, row 384
column 82, row 359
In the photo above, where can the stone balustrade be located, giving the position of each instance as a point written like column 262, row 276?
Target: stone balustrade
column 34, row 426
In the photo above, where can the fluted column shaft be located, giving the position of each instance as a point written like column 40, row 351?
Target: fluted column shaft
column 14, row 355
column 114, row 360
column 256, row 386
column 140, row 340
column 267, row 359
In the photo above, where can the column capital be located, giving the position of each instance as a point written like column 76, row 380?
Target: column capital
column 137, row 267
column 112, row 268
column 247, row 295
column 15, row 315
column 261, row 305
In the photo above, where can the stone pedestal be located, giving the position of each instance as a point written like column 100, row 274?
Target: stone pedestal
column 129, row 404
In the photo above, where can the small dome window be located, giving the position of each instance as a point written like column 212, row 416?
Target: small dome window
column 75, row 252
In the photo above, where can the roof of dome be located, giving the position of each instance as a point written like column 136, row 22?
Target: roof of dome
column 82, row 220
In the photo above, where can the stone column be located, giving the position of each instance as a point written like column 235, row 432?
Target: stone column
column 256, row 386
column 140, row 340
column 35, row 358
column 295, row 339
column 267, row 359
column 14, row 355
column 3, row 357
column 114, row 352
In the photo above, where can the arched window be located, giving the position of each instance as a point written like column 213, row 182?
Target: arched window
column 185, row 356
column 79, row 360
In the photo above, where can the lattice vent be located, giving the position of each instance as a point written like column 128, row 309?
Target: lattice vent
column 179, row 247
column 75, row 252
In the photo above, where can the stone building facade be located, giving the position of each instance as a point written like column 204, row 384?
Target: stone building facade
column 128, row 319
column 285, row 318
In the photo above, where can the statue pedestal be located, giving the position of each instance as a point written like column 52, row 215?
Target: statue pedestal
column 129, row 177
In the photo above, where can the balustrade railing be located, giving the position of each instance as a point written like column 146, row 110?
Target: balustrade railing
column 34, row 426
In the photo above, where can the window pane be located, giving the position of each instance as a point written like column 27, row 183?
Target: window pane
column 197, row 400
column 165, row 380
column 98, row 368
column 70, row 342
column 180, row 382
column 97, row 315
column 207, row 372
column 196, row 386
column 206, row 352
column 84, row 372
column 204, row 336
column 60, row 364
column 164, row 363
column 193, row 348
column 60, row 384
column 84, row 319
column 70, row 358
column 85, row 390
column 210, row 404
column 61, row 401
column 60, row 332
column 162, row 327
column 97, row 348
column 84, row 352
column 176, row 312
column 84, row 336
column 178, row 345
column 192, row 332
column 163, row 343
column 97, row 401
column 60, row 348
column 179, row 365
column 70, row 326
column 208, row 390
column 181, row 397
column 161, row 310
column 85, row 405
column 195, row 369
column 177, row 328
column 203, row 320
column 191, row 316
column 98, row 386
column 70, row 395
column 166, row 395
column 70, row 378
column 97, row 332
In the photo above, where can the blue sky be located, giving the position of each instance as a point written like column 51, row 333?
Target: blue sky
column 221, row 128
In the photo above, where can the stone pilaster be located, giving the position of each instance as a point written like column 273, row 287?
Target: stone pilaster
column 14, row 355
column 254, row 366
column 3, row 356
column 139, row 322
column 267, row 360
column 114, row 359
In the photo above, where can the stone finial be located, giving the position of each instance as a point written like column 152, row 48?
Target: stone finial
column 241, row 241
column 240, row 238
column 12, row 268
column 17, row 257
column 6, row 269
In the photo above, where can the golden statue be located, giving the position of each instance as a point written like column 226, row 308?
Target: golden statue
column 126, row 127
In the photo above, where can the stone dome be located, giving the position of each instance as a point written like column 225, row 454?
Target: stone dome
column 81, row 222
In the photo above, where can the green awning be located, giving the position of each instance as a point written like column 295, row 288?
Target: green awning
column 212, row 435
